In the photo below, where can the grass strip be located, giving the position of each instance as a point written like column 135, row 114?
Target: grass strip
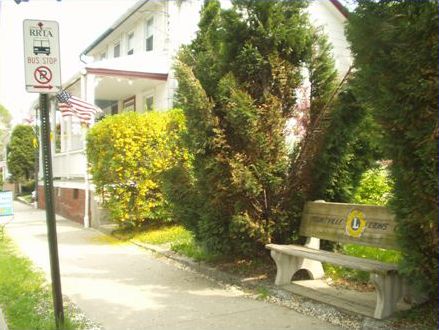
column 179, row 239
column 25, row 297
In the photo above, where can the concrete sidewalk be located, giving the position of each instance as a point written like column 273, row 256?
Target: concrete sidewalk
column 122, row 286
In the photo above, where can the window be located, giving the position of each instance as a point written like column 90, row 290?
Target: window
column 149, row 37
column 116, row 50
column 103, row 56
column 129, row 104
column 114, row 109
column 130, row 43
column 149, row 103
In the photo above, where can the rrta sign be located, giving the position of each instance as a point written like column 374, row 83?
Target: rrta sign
column 41, row 56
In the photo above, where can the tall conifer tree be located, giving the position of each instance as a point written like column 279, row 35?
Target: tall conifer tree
column 395, row 46
column 237, row 85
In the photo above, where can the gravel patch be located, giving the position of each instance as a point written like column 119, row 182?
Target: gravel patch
column 77, row 316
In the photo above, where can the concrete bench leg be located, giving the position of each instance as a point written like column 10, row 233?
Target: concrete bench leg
column 389, row 291
column 314, row 268
column 286, row 267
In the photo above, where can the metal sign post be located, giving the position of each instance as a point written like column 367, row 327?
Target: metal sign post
column 42, row 73
column 50, row 210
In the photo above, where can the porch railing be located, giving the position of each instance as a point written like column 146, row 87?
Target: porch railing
column 69, row 164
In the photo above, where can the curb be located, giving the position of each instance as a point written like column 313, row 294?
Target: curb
column 3, row 325
column 271, row 293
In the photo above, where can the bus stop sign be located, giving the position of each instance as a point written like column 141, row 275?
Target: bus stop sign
column 41, row 56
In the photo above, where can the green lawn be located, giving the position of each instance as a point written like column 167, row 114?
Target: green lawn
column 25, row 297
column 180, row 240
column 336, row 272
column 27, row 198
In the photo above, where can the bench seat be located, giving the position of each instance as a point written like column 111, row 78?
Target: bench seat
column 367, row 265
column 384, row 276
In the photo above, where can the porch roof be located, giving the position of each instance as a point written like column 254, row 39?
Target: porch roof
column 141, row 65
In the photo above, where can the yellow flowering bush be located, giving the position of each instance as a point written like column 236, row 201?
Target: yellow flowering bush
column 127, row 155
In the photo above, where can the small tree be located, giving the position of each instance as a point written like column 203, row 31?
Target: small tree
column 21, row 154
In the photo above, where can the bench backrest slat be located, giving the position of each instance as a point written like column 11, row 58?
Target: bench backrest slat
column 350, row 223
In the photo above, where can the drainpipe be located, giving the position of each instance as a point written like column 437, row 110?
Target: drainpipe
column 81, row 58
column 84, row 96
column 87, row 190
column 89, row 93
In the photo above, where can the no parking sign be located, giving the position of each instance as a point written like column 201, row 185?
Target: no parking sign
column 41, row 56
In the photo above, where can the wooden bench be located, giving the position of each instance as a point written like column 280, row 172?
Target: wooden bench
column 345, row 223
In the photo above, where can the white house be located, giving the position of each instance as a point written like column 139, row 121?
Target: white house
column 129, row 68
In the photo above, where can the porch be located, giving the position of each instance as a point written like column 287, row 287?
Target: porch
column 115, row 86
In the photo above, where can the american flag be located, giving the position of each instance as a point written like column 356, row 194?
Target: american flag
column 70, row 105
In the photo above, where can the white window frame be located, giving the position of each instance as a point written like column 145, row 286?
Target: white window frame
column 149, row 33
column 130, row 43
column 116, row 44
column 146, row 97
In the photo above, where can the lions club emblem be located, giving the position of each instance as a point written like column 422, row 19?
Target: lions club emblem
column 355, row 223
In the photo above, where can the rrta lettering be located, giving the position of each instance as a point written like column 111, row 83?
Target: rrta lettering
column 40, row 33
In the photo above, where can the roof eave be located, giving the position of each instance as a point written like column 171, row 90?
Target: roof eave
column 342, row 9
column 114, row 26
column 127, row 74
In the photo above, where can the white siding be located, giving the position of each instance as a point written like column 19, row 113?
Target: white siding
column 183, row 22
column 137, row 23
column 324, row 14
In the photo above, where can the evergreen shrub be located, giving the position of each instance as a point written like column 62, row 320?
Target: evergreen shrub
column 352, row 145
column 21, row 154
column 395, row 46
column 238, row 84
